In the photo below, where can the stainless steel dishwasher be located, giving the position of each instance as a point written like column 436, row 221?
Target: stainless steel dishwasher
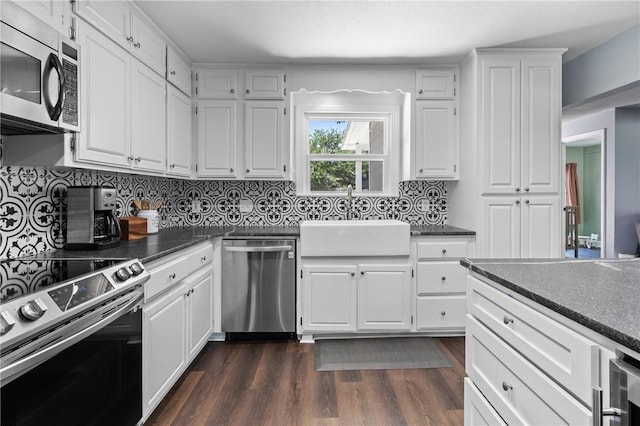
column 258, row 285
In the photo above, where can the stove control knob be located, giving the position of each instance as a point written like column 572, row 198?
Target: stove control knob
column 6, row 322
column 123, row 274
column 136, row 268
column 33, row 310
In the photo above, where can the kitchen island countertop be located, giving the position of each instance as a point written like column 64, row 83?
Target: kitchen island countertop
column 602, row 295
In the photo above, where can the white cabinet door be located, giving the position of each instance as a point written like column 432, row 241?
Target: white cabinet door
column 217, row 140
column 178, row 133
column 500, row 117
column 264, row 84
column 329, row 298
column 164, row 331
column 436, row 84
column 216, row 83
column 264, row 143
column 113, row 18
column 436, row 141
column 541, row 112
column 148, row 99
column 384, row 297
column 105, row 100
column 477, row 410
column 500, row 227
column 541, row 236
column 147, row 45
column 199, row 310
column 178, row 71
column 49, row 11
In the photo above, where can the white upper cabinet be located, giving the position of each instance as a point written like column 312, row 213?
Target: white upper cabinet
column 179, row 150
column 264, row 143
column 436, row 84
column 51, row 12
column 436, row 140
column 264, row 84
column 217, row 140
column 105, row 99
column 216, row 84
column 119, row 22
column 148, row 147
column 178, row 71
column 520, row 110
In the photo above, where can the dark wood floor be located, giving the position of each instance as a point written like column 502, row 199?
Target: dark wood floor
column 275, row 383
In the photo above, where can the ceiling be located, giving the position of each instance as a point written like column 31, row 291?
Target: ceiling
column 381, row 32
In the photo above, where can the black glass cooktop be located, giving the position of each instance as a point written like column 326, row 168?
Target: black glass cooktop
column 26, row 276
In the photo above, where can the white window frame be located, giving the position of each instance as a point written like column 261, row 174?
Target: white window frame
column 340, row 108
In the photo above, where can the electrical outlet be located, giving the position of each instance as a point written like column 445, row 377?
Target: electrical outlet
column 196, row 207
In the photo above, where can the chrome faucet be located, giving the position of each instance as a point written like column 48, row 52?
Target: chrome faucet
column 349, row 197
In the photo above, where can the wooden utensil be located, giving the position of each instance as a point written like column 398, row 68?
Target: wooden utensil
column 146, row 204
column 158, row 204
column 137, row 203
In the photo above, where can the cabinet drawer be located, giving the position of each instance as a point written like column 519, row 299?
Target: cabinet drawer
column 442, row 249
column 441, row 277
column 200, row 256
column 520, row 392
column 477, row 410
column 441, row 312
column 564, row 355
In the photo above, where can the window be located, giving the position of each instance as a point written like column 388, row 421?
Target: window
column 341, row 143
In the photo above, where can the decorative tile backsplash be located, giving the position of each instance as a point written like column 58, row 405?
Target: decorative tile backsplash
column 33, row 204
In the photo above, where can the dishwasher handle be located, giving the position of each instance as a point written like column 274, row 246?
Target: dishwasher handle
column 263, row 249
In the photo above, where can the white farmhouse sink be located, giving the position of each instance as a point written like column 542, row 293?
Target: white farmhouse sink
column 354, row 238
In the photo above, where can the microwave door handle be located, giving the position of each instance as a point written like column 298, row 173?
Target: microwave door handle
column 53, row 63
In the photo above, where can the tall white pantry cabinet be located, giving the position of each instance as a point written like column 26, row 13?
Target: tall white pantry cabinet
column 510, row 174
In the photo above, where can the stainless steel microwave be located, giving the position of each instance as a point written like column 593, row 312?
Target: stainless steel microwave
column 39, row 76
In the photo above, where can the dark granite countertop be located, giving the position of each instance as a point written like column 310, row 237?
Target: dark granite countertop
column 418, row 230
column 603, row 295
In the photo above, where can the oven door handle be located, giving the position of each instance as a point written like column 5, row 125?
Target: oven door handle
column 258, row 249
column 25, row 364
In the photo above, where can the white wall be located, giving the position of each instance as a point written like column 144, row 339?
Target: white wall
column 611, row 65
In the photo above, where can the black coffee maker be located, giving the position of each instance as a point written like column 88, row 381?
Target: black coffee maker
column 92, row 223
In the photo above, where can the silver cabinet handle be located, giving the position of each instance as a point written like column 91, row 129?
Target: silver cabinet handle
column 232, row 90
column 172, row 166
column 361, row 272
column 443, row 278
column 598, row 411
column 526, row 189
column 231, row 170
column 444, row 251
column 517, row 202
column 203, row 259
column 138, row 159
column 130, row 158
column 421, row 170
column 421, row 91
column 507, row 320
column 517, row 189
column 247, row 170
column 526, row 201
column 130, row 39
column 506, row 386
column 353, row 274
column 173, row 72
column 443, row 313
column 173, row 276
column 248, row 91
column 136, row 45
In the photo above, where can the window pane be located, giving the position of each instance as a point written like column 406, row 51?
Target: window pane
column 346, row 137
column 363, row 176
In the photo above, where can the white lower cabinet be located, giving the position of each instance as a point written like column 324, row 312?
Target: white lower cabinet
column 525, row 365
column 177, row 319
column 477, row 410
column 356, row 297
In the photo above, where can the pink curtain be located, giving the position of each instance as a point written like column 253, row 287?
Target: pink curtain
column 572, row 188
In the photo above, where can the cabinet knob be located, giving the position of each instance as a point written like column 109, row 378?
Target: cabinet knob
column 506, row 386
column 443, row 278
column 231, row 169
column 517, row 189
column 353, row 274
column 136, row 45
column 248, row 91
column 421, row 170
column 361, row 272
column 247, row 170
column 444, row 251
column 526, row 189
column 130, row 158
column 172, row 166
column 130, row 39
column 138, row 159
column 443, row 313
column 526, row 201
column 507, row 320
column 421, row 91
column 203, row 258
column 173, row 276
column 192, row 290
column 232, row 90
column 517, row 202
column 173, row 72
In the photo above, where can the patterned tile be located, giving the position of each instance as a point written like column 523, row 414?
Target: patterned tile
column 33, row 204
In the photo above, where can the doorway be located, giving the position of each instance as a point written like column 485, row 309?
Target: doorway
column 583, row 162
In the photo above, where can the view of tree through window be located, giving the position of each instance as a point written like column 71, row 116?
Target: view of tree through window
column 331, row 143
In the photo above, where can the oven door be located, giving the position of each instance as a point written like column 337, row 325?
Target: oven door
column 97, row 381
column 625, row 392
column 32, row 84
